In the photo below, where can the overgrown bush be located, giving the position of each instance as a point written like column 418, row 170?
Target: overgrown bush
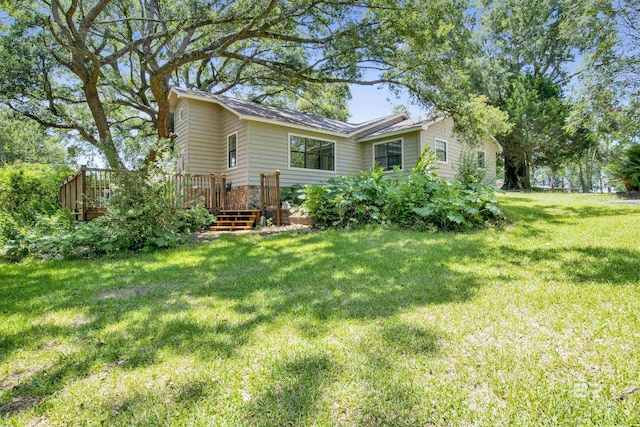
column 292, row 194
column 26, row 185
column 143, row 213
column 421, row 200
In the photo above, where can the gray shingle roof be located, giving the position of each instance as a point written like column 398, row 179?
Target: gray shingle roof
column 412, row 122
column 249, row 108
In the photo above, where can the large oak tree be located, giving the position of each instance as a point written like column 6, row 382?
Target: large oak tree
column 102, row 69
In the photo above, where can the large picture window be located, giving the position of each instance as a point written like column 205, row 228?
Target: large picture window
column 441, row 150
column 311, row 153
column 232, row 151
column 388, row 155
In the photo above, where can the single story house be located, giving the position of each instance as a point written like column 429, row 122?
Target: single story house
column 219, row 134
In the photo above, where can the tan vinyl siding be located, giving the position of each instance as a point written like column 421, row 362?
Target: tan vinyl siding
column 231, row 124
column 491, row 150
column 182, row 127
column 410, row 150
column 203, row 138
column 443, row 130
column 269, row 150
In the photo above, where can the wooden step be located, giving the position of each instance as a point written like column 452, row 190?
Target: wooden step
column 230, row 228
column 240, row 212
column 236, row 220
column 234, row 223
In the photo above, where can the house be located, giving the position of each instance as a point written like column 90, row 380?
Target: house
column 219, row 134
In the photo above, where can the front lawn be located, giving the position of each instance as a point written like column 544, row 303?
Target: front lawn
column 534, row 324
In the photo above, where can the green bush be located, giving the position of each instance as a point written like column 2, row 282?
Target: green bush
column 345, row 201
column 292, row 194
column 30, row 185
column 628, row 168
column 421, row 200
column 143, row 214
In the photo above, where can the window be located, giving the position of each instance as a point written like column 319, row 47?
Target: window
column 388, row 155
column 181, row 161
column 482, row 159
column 311, row 153
column 232, row 150
column 441, row 150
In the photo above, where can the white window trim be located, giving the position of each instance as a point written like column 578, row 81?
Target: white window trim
column 335, row 153
column 373, row 152
column 485, row 158
column 227, row 156
column 446, row 149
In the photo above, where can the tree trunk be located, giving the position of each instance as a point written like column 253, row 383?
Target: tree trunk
column 583, row 181
column 516, row 172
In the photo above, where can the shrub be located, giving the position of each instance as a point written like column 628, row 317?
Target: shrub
column 421, row 200
column 30, row 185
column 628, row 169
column 292, row 194
column 345, row 201
column 143, row 213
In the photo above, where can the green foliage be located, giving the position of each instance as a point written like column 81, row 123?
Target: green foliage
column 292, row 194
column 628, row 168
column 26, row 185
column 420, row 200
column 468, row 171
column 143, row 214
column 23, row 140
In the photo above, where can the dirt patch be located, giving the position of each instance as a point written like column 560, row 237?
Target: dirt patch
column 138, row 290
column 626, row 202
column 209, row 236
column 18, row 404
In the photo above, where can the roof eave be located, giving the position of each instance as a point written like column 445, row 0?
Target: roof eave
column 388, row 134
column 256, row 118
column 382, row 122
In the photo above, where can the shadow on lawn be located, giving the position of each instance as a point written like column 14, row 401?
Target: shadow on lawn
column 316, row 277
column 583, row 265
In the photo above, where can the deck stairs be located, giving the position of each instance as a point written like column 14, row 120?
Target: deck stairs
column 236, row 220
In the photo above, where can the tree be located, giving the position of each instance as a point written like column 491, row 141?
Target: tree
column 540, row 39
column 537, row 112
column 22, row 140
column 102, row 68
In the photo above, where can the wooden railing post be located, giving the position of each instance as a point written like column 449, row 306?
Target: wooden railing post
column 223, row 191
column 278, row 205
column 83, row 181
column 262, row 207
column 212, row 193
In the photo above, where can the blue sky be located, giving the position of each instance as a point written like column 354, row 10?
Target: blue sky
column 370, row 102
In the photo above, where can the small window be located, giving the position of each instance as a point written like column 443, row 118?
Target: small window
column 311, row 153
column 388, row 155
column 183, row 112
column 482, row 160
column 232, row 151
column 181, row 161
column 441, row 150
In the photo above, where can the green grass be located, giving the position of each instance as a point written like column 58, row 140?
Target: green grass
column 534, row 324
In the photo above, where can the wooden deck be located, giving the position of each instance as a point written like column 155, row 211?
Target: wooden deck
column 88, row 192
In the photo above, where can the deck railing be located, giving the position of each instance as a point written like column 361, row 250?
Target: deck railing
column 87, row 193
column 270, row 193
